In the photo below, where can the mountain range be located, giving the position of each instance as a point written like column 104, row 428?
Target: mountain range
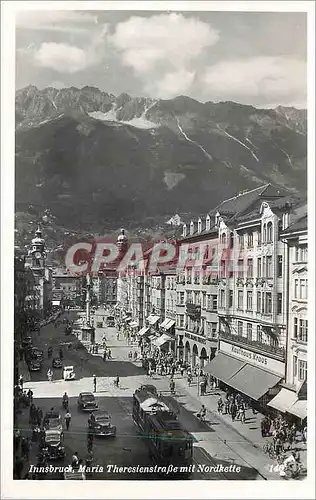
column 98, row 161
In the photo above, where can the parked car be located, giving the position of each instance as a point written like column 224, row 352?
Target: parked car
column 53, row 445
column 37, row 353
column 52, row 421
column 35, row 365
column 101, row 424
column 57, row 363
column 87, row 402
column 69, row 373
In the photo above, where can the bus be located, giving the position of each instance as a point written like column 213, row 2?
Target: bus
column 167, row 441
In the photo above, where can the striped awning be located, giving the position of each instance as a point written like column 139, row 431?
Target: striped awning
column 143, row 331
column 152, row 319
column 167, row 324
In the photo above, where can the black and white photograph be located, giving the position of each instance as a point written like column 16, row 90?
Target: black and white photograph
column 155, row 251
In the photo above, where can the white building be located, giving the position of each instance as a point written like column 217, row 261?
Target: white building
column 292, row 398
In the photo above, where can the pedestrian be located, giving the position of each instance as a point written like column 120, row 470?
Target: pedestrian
column 202, row 414
column 21, row 381
column 104, row 356
column 67, row 419
column 233, row 411
column 109, row 354
column 94, row 383
column 75, row 460
column 182, row 370
column 220, row 405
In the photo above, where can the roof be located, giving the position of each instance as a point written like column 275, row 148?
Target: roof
column 298, row 225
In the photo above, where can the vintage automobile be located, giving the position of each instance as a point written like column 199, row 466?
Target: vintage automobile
column 86, row 401
column 57, row 363
column 53, row 446
column 69, row 373
column 35, row 365
column 27, row 341
column 37, row 353
column 101, row 424
column 52, row 421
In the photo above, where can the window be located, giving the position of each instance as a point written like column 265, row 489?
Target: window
column 241, row 241
column 249, row 301
column 302, row 333
column 295, row 328
column 304, row 253
column 240, row 301
column 250, row 268
column 296, row 289
column 302, row 370
column 268, row 303
column 181, row 298
column 240, row 272
column 250, row 240
column 240, row 328
column 181, row 320
column 204, row 300
column 269, row 266
column 269, row 232
column 258, row 302
column 259, row 238
column 214, row 302
column 231, row 240
column 303, row 289
column 223, row 268
column 209, row 302
column 223, row 240
column 301, row 254
column 189, row 297
column 197, row 298
column 259, row 267
column 230, row 298
column 294, row 366
column 222, row 298
column 280, row 266
column 259, row 334
column 279, row 303
column 249, row 331
column 213, row 329
column 264, row 233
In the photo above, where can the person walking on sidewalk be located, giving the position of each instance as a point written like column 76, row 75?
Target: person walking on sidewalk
column 21, row 381
column 67, row 419
column 94, row 383
column 233, row 411
column 202, row 414
column 220, row 405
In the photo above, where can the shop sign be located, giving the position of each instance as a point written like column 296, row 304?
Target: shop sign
column 260, row 360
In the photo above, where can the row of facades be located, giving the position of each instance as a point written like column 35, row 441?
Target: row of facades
column 242, row 313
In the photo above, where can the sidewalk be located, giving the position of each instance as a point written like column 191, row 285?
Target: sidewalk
column 250, row 430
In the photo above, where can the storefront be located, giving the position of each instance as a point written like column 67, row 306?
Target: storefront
column 291, row 403
column 253, row 374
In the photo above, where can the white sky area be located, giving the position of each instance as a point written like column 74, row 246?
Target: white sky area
column 248, row 57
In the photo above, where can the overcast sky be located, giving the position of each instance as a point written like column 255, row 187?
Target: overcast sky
column 253, row 58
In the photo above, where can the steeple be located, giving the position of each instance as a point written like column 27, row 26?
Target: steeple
column 37, row 250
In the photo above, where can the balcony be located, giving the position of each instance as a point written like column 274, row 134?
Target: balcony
column 249, row 281
column 254, row 345
column 240, row 282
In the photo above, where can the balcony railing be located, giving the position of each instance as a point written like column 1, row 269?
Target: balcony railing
column 277, row 352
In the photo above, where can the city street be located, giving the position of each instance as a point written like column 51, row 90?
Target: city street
column 215, row 442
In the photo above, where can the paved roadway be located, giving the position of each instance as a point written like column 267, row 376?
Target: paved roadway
column 215, row 443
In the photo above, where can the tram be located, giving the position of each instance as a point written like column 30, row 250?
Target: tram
column 167, row 441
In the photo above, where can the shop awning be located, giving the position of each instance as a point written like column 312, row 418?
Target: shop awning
column 299, row 408
column 161, row 340
column 164, row 323
column 152, row 320
column 223, row 367
column 253, row 381
column 143, row 331
column 287, row 401
column 283, row 400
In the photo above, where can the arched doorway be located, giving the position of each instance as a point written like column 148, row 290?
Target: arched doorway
column 195, row 355
column 187, row 352
column 203, row 357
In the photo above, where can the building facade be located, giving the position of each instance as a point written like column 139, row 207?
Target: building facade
column 66, row 288
column 292, row 398
column 197, row 283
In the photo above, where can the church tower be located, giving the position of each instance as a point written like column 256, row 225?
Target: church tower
column 37, row 253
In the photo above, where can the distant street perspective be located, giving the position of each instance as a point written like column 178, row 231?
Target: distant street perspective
column 160, row 247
